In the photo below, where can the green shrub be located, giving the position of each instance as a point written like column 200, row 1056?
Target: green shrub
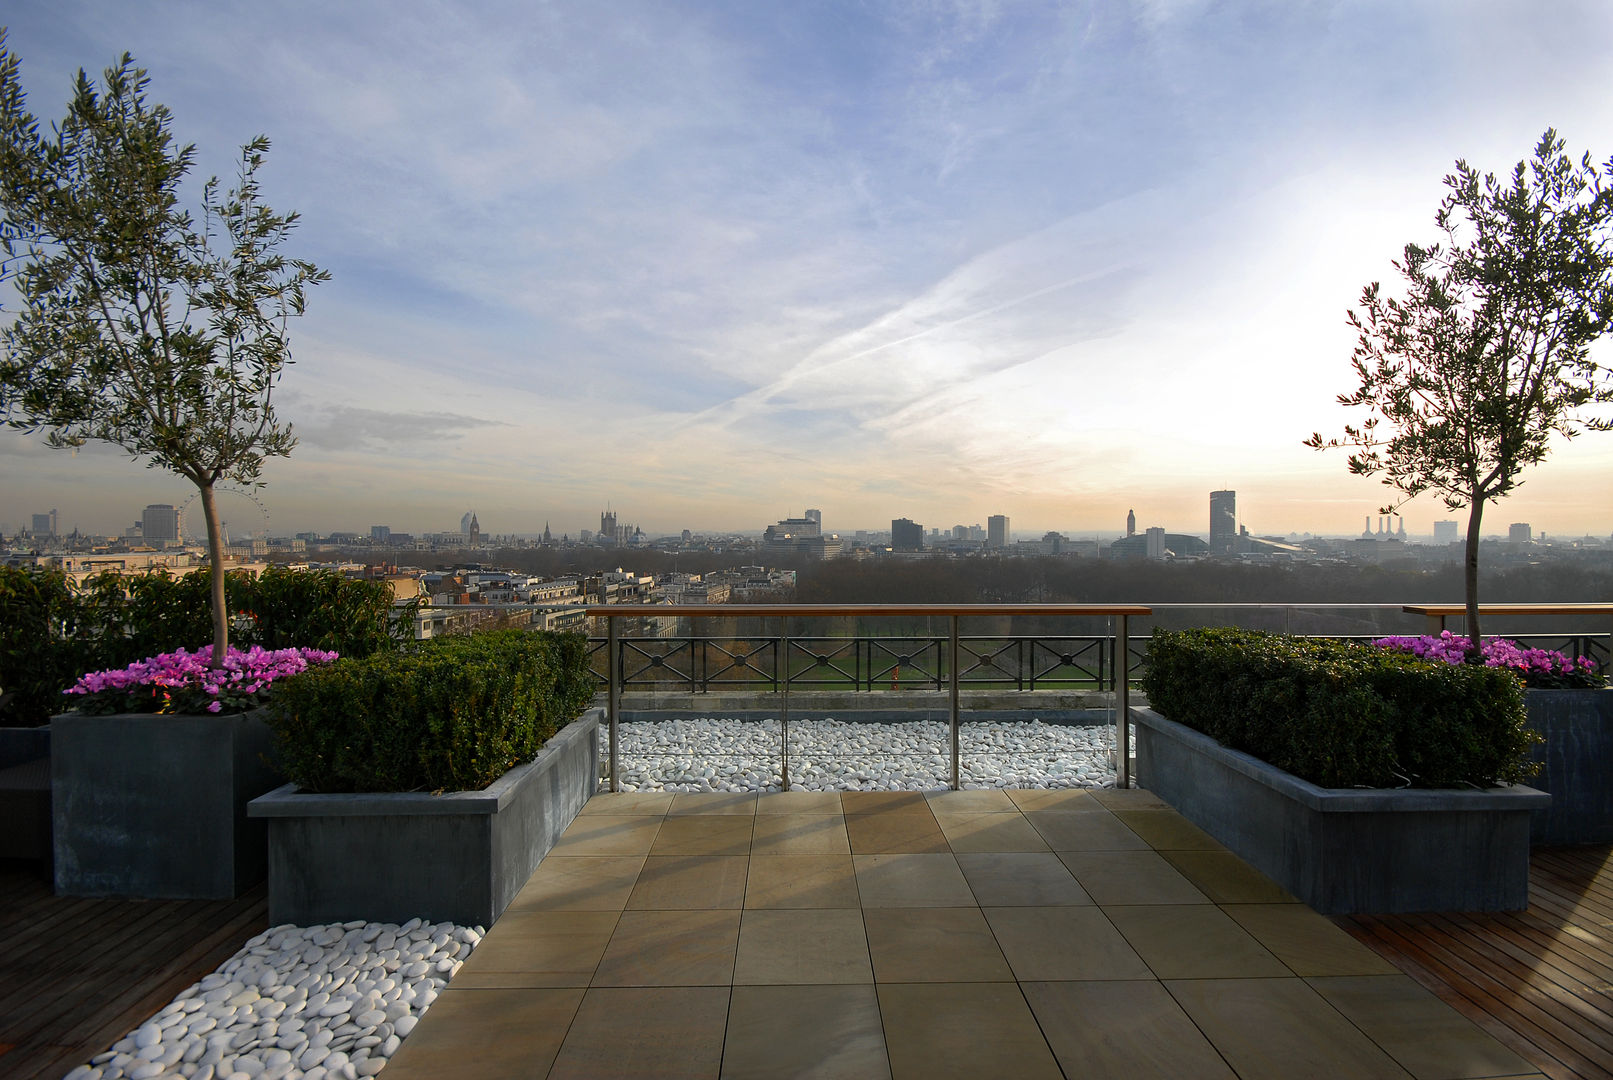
column 51, row 633
column 1339, row 714
column 452, row 716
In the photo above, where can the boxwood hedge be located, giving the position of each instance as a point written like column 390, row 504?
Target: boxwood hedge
column 1340, row 714
column 454, row 715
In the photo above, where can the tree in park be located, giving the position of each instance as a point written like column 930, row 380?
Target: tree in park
column 1486, row 358
column 137, row 325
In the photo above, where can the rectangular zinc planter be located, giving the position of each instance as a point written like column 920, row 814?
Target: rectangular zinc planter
column 1576, row 765
column 1346, row 850
column 460, row 856
column 154, row 806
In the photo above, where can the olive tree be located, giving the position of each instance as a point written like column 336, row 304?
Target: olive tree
column 1470, row 375
column 137, row 325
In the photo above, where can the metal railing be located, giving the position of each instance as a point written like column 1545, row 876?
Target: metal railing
column 779, row 662
column 780, row 647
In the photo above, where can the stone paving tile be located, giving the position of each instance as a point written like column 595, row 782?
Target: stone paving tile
column 671, row 948
column 1278, row 1029
column 1052, row 943
column 801, row 881
column 690, row 881
column 534, row 947
column 704, row 834
column 1122, row 1031
column 1427, row 1037
column 800, row 834
column 896, row 833
column 1020, row 879
column 818, row 945
column 800, row 802
column 1307, row 942
column 1166, row 830
column 580, row 883
column 713, row 802
column 604, row 834
column 911, row 881
column 884, row 802
column 1065, row 801
column 970, row 802
column 665, row 1033
column 824, row 1032
column 963, row 1029
column 1227, row 879
column 1193, row 941
column 629, row 803
column 1130, row 799
column 915, row 945
column 989, row 832
column 515, row 1034
column 1130, row 877
column 1085, row 832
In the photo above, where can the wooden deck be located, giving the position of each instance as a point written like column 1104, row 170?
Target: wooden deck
column 1541, row 980
column 76, row 975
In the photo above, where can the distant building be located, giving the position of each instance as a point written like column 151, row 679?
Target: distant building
column 159, row 524
column 908, row 535
column 464, row 523
column 815, row 516
column 1154, row 540
column 1131, row 523
column 380, row 534
column 45, row 524
column 997, row 531
column 1223, row 521
column 1176, row 545
column 1519, row 532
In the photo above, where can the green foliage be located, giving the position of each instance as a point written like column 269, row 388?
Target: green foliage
column 139, row 327
column 1339, row 714
column 452, row 716
column 1487, row 357
column 51, row 633
column 42, row 650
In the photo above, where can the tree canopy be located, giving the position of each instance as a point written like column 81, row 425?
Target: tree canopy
column 138, row 326
column 1469, row 376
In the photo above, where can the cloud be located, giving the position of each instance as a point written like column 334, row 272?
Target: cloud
column 345, row 427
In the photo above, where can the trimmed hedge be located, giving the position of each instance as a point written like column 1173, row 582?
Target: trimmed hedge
column 51, row 632
column 455, row 715
column 1340, row 714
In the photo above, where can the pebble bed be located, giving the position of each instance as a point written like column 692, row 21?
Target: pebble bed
column 711, row 754
column 311, row 1002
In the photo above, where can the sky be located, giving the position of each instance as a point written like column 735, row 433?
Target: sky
column 711, row 264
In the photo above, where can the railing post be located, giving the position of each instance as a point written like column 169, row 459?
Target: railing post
column 784, row 725
column 1123, row 696
column 955, row 721
column 614, row 696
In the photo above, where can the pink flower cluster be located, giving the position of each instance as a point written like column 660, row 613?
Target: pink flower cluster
column 1539, row 668
column 183, row 681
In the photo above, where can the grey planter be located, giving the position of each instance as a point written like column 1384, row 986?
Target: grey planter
column 460, row 856
column 1346, row 850
column 1576, row 765
column 155, row 806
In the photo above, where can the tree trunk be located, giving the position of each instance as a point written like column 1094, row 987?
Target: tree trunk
column 215, row 555
column 1470, row 573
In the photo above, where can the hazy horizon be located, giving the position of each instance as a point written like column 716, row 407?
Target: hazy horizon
column 715, row 263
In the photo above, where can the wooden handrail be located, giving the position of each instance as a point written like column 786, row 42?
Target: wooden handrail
column 718, row 610
column 1436, row 614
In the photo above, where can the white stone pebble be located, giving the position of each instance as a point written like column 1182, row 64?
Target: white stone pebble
column 296, row 1003
column 711, row 754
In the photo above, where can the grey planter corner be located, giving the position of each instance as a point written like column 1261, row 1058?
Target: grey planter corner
column 460, row 856
column 1576, row 765
column 1346, row 850
column 155, row 806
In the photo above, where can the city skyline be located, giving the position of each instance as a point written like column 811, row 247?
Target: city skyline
column 710, row 263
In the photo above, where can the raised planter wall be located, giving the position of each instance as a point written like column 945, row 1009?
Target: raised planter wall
column 25, row 793
column 460, row 856
column 1346, row 850
column 1576, row 765
column 155, row 806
